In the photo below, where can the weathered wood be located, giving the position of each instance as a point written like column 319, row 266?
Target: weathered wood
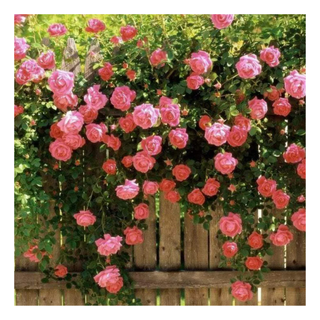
column 170, row 246
column 70, row 58
column 93, row 56
column 145, row 254
column 195, row 258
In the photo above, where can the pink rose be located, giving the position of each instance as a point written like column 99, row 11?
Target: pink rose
column 19, row 19
column 57, row 29
column 95, row 26
column 237, row 136
column 145, row 116
column 128, row 32
column 241, row 291
column 152, row 145
column 242, row 122
column 95, row 132
column 196, row 197
column 131, row 74
column 85, row 218
column 248, row 66
column 20, row 48
column 164, row 102
column 194, row 81
column 221, row 21
column 143, row 162
column 122, row 97
column 61, row 82
column 225, row 163
column 73, row 140
column 200, row 62
column 231, row 225
column 47, row 60
column 109, row 279
column 129, row 190
column 158, row 58
column 127, row 161
column 281, row 107
column 31, row 254
column 106, row 72
column 55, row 131
column 266, row 187
column 270, row 55
column 294, row 154
column 258, row 107
column 211, row 187
column 204, row 122
column 141, row 211
column 181, row 172
column 167, row 185
column 72, row 122
column 127, row 124
column 255, row 240
column 272, row 94
column 299, row 219
column 295, row 84
column 108, row 245
column 301, row 198
column 89, row 114
column 170, row 115
column 217, row 134
column 301, row 169
column 18, row 110
column 60, row 271
column 112, row 142
column 110, row 166
column 63, row 102
column 59, row 150
column 150, row 187
column 230, row 249
column 178, row 138
column 116, row 40
column 95, row 99
column 254, row 263
column 172, row 196
column 133, row 235
column 280, row 199
column 29, row 71
column 282, row 236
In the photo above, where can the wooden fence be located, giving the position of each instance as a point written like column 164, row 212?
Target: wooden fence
column 179, row 269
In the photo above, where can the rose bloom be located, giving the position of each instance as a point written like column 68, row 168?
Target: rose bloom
column 301, row 169
column 59, row 150
column 294, row 154
column 94, row 98
column 181, row 172
column 63, row 102
column 167, row 185
column 108, row 245
column 248, row 66
column 127, row 124
column 200, row 62
column 72, row 122
column 204, row 122
column 273, row 94
column 18, row 110
column 57, row 29
column 152, row 145
column 131, row 74
column 133, row 235
column 61, row 82
column 127, row 161
column 172, row 196
column 19, row 19
column 110, row 279
column 110, row 166
column 266, row 187
column 116, row 40
column 178, row 138
column 73, row 140
column 112, row 142
column 255, row 240
column 242, row 122
column 60, row 271
column 299, row 219
column 55, row 131
column 143, row 162
column 295, row 84
column 129, row 190
column 106, row 72
column 194, row 81
column 141, row 211
column 229, row 249
column 47, row 60
column 241, row 291
column 221, row 21
column 231, row 225
column 20, row 48
column 122, row 97
column 270, row 56
column 254, row 263
column 29, row 71
column 237, row 136
column 280, row 199
column 31, row 253
column 301, row 198
column 95, row 26
column 196, row 197
column 158, row 58
column 281, row 107
column 150, row 187
column 170, row 115
column 95, row 132
column 128, row 32
column 85, row 218
column 211, row 187
column 282, row 236
column 217, row 134
column 225, row 163
column 258, row 108
column 145, row 115
column 165, row 102
column 89, row 114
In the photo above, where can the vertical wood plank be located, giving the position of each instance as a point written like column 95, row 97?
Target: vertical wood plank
column 93, row 56
column 169, row 247
column 70, row 58
column 145, row 254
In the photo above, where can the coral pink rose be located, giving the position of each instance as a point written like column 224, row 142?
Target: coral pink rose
column 200, row 62
column 270, row 56
column 241, row 291
column 301, row 198
column 299, row 219
column 112, row 141
column 170, row 115
column 258, row 108
column 196, row 197
column 281, row 107
column 141, row 211
column 145, row 116
column 194, row 81
column 167, row 185
column 95, row 26
column 73, row 140
column 63, row 102
column 266, row 187
column 55, row 131
column 128, row 32
column 95, row 132
column 72, row 122
column 225, row 163
column 47, row 60
column 85, row 218
column 204, row 122
column 164, row 102
column 133, row 235
column 116, row 40
column 61, row 82
column 178, row 138
column 217, row 134
column 89, row 114
column 294, row 154
column 158, row 58
column 18, row 110
column 127, row 161
column 181, row 172
column 106, row 72
column 109, row 279
column 94, row 98
column 31, row 254
column 110, row 166
column 295, row 84
column 129, row 190
column 19, row 19
column 29, row 71
column 60, row 271
column 231, row 225
column 221, row 21
column 280, row 199
column 282, row 236
column 254, row 263
column 150, row 187
column 127, row 124
column 242, row 122
column 229, row 249
column 301, row 169
column 152, row 145
column 122, row 97
column 143, row 162
column 108, row 245
column 211, row 187
column 272, row 94
column 59, row 150
column 131, row 74
column 57, row 29
column 20, row 48
column 248, row 66
column 237, row 136
column 255, row 240
column 172, row 196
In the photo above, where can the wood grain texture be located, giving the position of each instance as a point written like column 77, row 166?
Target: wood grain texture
column 70, row 58
column 93, row 56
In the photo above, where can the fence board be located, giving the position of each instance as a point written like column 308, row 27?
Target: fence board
column 93, row 56
column 70, row 58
